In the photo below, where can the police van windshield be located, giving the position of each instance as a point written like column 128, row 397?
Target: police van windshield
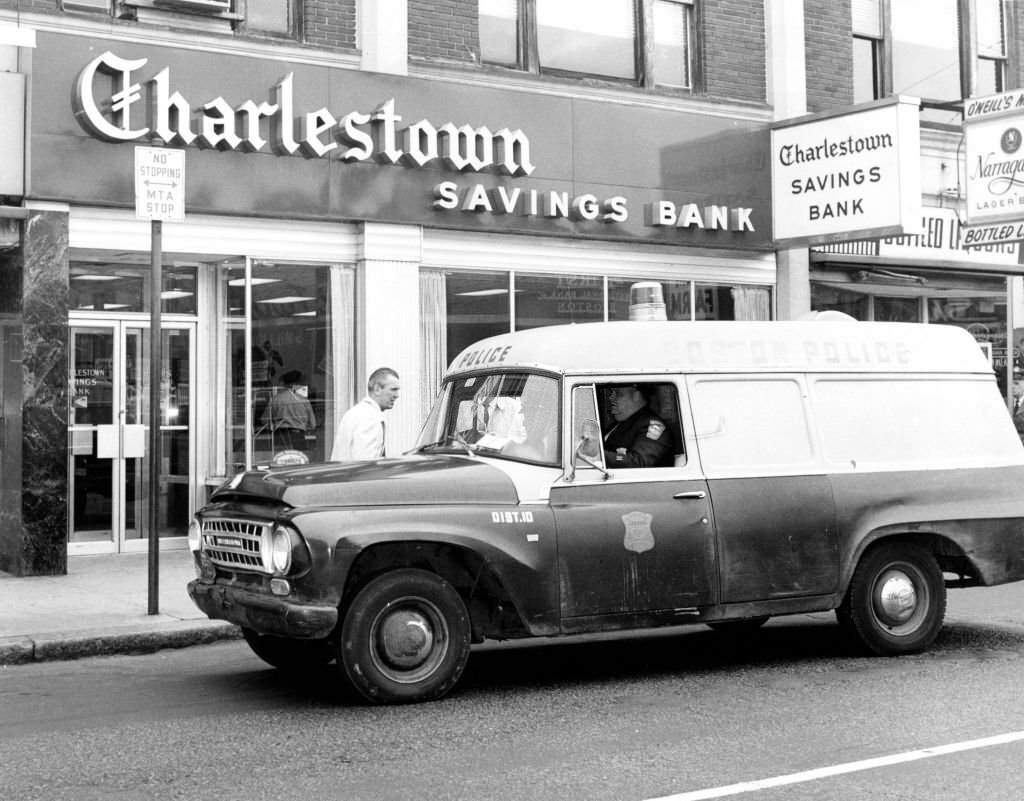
column 509, row 415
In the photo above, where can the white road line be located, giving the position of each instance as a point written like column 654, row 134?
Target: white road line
column 837, row 770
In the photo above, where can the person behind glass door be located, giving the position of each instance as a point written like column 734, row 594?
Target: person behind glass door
column 360, row 433
column 289, row 414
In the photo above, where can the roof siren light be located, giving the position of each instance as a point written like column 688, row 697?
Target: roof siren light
column 646, row 301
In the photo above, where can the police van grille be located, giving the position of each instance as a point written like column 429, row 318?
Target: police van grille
column 234, row 543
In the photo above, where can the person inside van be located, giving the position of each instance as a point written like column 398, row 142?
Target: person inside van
column 637, row 437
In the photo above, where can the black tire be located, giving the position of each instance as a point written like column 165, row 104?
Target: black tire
column 405, row 638
column 743, row 626
column 291, row 656
column 896, row 600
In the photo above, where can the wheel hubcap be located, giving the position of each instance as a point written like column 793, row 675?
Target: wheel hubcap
column 898, row 598
column 405, row 639
column 409, row 640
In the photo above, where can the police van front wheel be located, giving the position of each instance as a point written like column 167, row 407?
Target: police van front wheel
column 405, row 637
column 896, row 600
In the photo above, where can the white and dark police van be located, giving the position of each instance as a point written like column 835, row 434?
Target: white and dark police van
column 615, row 476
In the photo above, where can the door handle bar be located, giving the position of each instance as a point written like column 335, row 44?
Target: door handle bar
column 699, row 495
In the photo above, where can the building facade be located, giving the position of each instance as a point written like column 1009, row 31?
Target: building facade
column 382, row 183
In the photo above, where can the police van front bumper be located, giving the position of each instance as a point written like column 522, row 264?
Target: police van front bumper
column 267, row 615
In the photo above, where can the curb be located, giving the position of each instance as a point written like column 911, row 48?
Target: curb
column 59, row 646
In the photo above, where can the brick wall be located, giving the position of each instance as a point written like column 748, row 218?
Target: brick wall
column 444, row 30
column 733, row 45
column 828, row 50
column 329, row 23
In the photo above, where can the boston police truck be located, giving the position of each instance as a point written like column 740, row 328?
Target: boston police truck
column 626, row 475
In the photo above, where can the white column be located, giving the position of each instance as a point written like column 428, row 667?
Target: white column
column 787, row 94
column 389, row 321
column 382, row 28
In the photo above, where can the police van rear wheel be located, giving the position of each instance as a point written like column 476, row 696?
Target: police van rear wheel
column 405, row 637
column 896, row 600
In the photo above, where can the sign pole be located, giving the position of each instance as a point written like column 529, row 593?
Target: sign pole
column 159, row 196
column 155, row 337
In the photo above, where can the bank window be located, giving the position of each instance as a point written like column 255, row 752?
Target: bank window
column 557, row 299
column 270, row 16
column 101, row 285
column 596, row 37
column 603, row 38
column 288, row 358
column 673, row 41
column 499, row 31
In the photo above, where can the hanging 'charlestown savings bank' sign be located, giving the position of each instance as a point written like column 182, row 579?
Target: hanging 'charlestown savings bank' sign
column 112, row 102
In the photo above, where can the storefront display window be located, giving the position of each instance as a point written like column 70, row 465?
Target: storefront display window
column 477, row 306
column 676, row 295
column 298, row 361
column 830, row 298
column 897, row 310
column 557, row 299
column 109, row 286
column 977, row 304
column 459, row 308
column 985, row 319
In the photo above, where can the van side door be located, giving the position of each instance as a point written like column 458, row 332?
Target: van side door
column 635, row 541
column 773, row 504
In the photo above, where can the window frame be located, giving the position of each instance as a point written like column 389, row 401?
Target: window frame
column 528, row 53
column 241, row 7
column 883, row 57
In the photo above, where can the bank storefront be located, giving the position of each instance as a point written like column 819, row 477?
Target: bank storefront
column 337, row 221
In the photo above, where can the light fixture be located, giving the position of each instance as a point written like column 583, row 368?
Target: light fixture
column 286, row 299
column 479, row 293
column 253, row 281
column 93, row 277
column 305, row 314
column 174, row 294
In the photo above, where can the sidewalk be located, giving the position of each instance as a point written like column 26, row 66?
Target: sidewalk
column 101, row 607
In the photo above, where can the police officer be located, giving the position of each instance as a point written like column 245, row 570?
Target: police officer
column 639, row 437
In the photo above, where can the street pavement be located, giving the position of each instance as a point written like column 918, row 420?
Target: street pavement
column 101, row 606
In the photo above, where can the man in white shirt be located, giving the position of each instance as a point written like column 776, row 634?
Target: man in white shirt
column 360, row 433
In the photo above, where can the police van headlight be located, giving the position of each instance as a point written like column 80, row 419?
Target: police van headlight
column 281, row 550
column 195, row 535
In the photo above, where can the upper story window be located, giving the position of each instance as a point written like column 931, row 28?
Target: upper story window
column 912, row 47
column 270, row 16
column 601, row 38
column 867, row 50
column 277, row 17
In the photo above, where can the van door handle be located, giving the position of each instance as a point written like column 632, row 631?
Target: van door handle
column 699, row 495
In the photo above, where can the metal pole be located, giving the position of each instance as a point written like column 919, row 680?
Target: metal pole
column 967, row 12
column 156, row 234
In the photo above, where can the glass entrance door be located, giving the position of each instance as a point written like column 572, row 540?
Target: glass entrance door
column 109, row 435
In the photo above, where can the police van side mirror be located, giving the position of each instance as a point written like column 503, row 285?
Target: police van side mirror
column 588, row 449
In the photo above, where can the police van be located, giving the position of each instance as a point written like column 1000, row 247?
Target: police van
column 768, row 469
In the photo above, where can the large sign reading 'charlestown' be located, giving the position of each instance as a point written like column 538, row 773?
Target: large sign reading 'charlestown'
column 355, row 136
column 276, row 138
